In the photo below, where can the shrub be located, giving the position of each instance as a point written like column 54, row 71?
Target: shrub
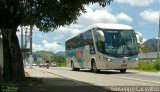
column 157, row 65
column 145, row 66
column 63, row 65
column 149, row 66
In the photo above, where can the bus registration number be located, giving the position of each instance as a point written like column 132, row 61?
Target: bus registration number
column 124, row 65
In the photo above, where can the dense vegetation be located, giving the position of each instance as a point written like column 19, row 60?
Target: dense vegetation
column 150, row 66
column 52, row 57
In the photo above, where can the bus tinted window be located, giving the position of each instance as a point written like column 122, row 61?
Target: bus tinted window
column 120, row 42
column 87, row 38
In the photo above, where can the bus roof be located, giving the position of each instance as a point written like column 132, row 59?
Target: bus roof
column 109, row 26
column 106, row 26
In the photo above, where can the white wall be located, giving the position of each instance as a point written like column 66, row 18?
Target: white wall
column 1, row 54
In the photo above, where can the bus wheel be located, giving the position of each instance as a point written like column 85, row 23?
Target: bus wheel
column 73, row 68
column 123, row 70
column 94, row 68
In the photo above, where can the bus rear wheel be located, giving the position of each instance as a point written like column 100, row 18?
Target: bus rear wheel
column 123, row 70
column 94, row 68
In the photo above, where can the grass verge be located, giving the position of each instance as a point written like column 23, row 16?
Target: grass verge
column 149, row 66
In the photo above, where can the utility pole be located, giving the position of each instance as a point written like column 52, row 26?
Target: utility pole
column 21, row 37
column 30, row 56
column 25, row 40
column 158, row 39
column 22, row 47
column 31, row 28
column 25, row 47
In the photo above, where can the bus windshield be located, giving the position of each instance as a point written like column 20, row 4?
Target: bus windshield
column 120, row 43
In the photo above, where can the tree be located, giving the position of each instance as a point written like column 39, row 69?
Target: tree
column 44, row 14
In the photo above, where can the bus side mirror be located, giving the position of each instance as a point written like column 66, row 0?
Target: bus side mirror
column 100, row 35
column 100, row 40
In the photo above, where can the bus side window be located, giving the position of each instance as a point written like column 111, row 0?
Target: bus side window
column 99, row 46
column 92, row 49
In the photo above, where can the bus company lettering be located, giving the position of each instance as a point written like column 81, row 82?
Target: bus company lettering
column 78, row 54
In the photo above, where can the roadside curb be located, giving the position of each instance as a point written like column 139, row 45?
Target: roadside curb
column 27, row 74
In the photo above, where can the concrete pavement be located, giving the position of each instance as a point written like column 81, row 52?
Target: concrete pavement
column 55, row 83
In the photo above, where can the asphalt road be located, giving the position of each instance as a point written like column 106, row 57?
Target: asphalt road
column 54, row 83
column 107, row 79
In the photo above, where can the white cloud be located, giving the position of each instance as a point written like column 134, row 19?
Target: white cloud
column 121, row 1
column 72, row 30
column 44, row 42
column 150, row 15
column 96, row 16
column 137, row 2
column 101, row 15
column 93, row 15
column 144, row 39
column 54, row 47
column 96, row 6
column 37, row 47
column 124, row 17
column 67, row 31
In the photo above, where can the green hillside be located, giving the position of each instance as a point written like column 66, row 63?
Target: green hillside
column 44, row 54
column 52, row 57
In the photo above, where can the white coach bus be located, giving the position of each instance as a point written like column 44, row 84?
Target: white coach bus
column 103, row 47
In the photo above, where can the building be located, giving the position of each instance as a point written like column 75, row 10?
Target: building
column 1, row 54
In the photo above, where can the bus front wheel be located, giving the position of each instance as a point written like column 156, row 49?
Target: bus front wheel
column 73, row 68
column 123, row 70
column 94, row 68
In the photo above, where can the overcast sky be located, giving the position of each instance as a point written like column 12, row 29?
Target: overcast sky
column 142, row 15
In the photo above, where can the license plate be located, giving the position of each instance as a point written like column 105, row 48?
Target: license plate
column 124, row 65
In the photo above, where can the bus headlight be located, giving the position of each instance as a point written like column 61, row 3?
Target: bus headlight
column 136, row 59
column 110, row 60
